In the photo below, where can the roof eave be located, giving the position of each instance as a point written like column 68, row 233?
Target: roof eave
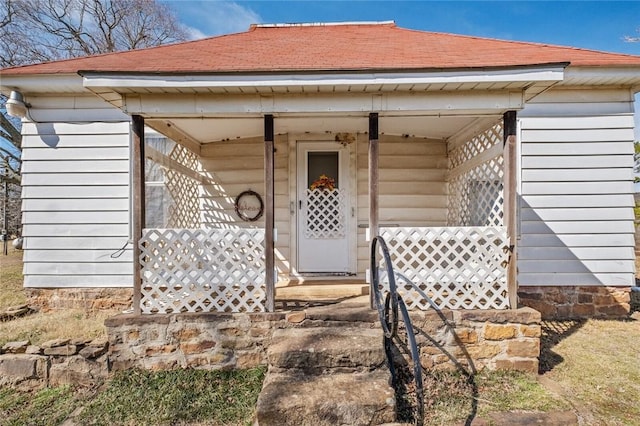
column 537, row 73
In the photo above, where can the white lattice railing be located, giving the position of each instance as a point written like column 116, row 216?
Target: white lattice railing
column 195, row 270
column 457, row 267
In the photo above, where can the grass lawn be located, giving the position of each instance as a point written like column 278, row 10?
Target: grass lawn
column 40, row 327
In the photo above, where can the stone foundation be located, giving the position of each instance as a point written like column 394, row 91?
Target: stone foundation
column 191, row 340
column 89, row 299
column 496, row 339
column 577, row 301
column 493, row 339
column 57, row 362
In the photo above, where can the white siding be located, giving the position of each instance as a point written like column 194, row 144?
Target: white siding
column 231, row 167
column 76, row 195
column 576, row 217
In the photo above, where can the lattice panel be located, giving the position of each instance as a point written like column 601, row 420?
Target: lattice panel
column 476, row 145
column 325, row 214
column 457, row 267
column 184, row 212
column 476, row 197
column 196, row 270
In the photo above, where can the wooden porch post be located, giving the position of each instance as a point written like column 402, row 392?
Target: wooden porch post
column 373, row 175
column 138, row 205
column 269, row 219
column 373, row 186
column 510, row 202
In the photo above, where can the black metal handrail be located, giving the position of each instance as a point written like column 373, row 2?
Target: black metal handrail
column 388, row 313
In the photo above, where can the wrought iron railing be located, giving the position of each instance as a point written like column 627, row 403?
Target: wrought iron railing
column 388, row 313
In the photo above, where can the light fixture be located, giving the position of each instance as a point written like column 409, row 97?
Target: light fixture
column 16, row 106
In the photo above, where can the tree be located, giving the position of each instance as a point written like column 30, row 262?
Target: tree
column 33, row 31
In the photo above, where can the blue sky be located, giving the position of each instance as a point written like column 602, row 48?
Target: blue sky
column 600, row 25
column 596, row 25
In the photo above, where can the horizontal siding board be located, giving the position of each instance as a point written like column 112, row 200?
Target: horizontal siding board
column 566, row 123
column 70, row 281
column 577, row 214
column 70, row 114
column 76, row 268
column 578, row 175
column 575, row 266
column 113, row 153
column 74, row 205
column 79, row 179
column 59, row 141
column 577, row 148
column 93, row 128
column 577, row 240
column 587, row 227
column 78, row 256
column 578, row 162
column 76, row 166
column 577, row 135
column 108, row 243
column 576, row 188
column 75, row 192
column 585, row 253
column 76, row 230
column 572, row 279
column 76, row 217
column 577, row 109
column 577, row 201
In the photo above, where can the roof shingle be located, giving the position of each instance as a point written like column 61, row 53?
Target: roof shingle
column 348, row 47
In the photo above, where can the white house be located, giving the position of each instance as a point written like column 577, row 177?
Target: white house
column 493, row 169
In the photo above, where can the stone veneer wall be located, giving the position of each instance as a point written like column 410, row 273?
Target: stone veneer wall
column 56, row 362
column 492, row 339
column 89, row 299
column 577, row 301
column 191, row 340
column 505, row 339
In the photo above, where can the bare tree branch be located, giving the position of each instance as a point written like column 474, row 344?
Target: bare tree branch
column 34, row 31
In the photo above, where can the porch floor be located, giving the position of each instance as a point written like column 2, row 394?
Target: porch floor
column 320, row 290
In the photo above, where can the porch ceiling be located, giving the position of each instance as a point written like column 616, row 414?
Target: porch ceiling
column 208, row 130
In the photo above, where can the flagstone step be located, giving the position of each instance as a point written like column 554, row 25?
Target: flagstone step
column 323, row 348
column 295, row 398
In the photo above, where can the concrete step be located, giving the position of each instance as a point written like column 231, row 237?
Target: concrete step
column 353, row 310
column 294, row 398
column 323, row 348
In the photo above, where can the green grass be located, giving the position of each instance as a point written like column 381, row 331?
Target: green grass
column 11, row 293
column 49, row 406
column 451, row 397
column 175, row 397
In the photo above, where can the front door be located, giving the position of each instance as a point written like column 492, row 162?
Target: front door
column 324, row 209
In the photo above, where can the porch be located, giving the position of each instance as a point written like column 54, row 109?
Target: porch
column 443, row 217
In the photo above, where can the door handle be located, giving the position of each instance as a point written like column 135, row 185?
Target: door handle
column 300, row 203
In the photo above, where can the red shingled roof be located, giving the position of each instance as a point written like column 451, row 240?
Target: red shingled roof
column 320, row 47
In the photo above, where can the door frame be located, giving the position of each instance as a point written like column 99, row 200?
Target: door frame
column 296, row 143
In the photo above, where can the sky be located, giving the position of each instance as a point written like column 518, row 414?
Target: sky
column 600, row 25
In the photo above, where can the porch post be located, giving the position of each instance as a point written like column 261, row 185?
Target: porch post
column 269, row 220
column 373, row 186
column 137, row 206
column 510, row 202
column 373, row 175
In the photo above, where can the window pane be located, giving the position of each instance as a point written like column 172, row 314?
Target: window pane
column 322, row 163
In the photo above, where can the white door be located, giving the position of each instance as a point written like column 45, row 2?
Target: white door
column 324, row 209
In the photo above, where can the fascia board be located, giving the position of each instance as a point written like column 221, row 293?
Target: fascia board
column 96, row 80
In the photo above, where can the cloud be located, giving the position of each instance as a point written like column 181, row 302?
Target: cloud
column 208, row 18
